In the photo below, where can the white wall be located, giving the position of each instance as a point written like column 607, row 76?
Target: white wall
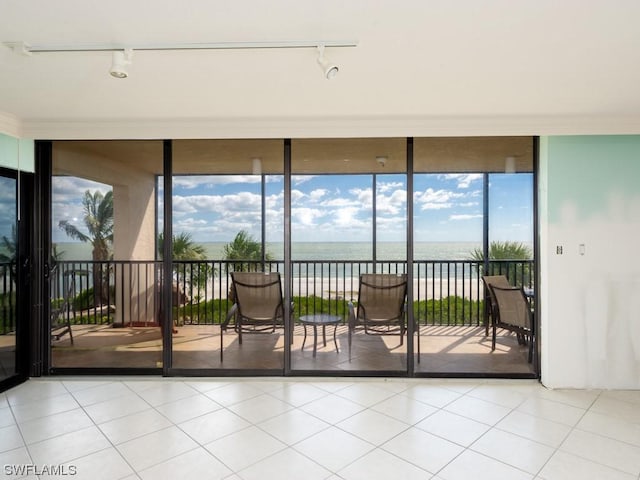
column 16, row 153
column 590, row 301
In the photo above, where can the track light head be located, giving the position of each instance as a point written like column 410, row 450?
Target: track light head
column 121, row 58
column 329, row 69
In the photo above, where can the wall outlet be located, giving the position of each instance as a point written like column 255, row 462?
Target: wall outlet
column 558, row 249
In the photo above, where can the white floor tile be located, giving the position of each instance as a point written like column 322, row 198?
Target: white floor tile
column 293, row 426
column 34, row 390
column 149, row 450
column 563, row 466
column 609, row 452
column 333, row 448
column 68, row 447
column 133, row 426
column 381, row 465
column 6, row 417
column 100, row 393
column 472, row 465
column 14, row 459
column 244, row 448
column 372, row 426
column 327, row 429
column 208, row 384
column 405, row 409
column 551, row 410
column 194, row 464
column 118, row 407
column 365, row 394
column 452, row 427
column 233, row 393
column 81, row 383
column 214, row 425
column 611, row 427
column 185, row 409
column 10, row 438
column 260, row 408
column 41, row 408
column 54, row 425
column 286, row 464
column 105, row 464
column 514, row 450
column 534, row 428
column 479, row 410
column 423, row 449
column 614, row 407
column 332, row 409
column 500, row 394
column 432, row 395
column 298, row 394
column 576, row 398
column 169, row 392
column 631, row 396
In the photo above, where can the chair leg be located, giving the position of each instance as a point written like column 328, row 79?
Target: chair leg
column 221, row 343
column 349, row 342
column 493, row 338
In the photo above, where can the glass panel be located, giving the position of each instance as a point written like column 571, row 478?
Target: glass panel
column 449, row 204
column 8, row 264
column 340, row 231
column 228, row 204
column 105, row 299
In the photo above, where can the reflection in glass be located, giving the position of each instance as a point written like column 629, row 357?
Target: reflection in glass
column 105, row 281
column 228, row 202
column 8, row 293
column 348, row 218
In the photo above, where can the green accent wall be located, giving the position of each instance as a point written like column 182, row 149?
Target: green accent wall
column 11, row 147
column 587, row 170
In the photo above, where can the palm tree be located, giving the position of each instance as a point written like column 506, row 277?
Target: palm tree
column 185, row 249
column 8, row 247
column 517, row 252
column 98, row 218
column 8, row 252
column 244, row 247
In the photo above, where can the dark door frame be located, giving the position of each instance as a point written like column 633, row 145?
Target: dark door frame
column 24, row 293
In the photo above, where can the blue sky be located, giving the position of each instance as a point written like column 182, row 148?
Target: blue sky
column 447, row 207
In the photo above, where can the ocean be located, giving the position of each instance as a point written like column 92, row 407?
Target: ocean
column 322, row 251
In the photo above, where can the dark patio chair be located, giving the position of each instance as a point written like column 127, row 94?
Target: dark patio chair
column 381, row 306
column 258, row 304
column 514, row 314
column 490, row 299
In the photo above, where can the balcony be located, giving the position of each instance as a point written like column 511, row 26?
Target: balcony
column 114, row 309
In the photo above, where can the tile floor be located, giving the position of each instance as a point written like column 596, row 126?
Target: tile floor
column 312, row 428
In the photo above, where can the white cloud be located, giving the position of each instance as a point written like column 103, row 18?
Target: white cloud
column 306, row 216
column 464, row 179
column 194, row 181
column 317, row 194
column 464, row 217
column 432, row 199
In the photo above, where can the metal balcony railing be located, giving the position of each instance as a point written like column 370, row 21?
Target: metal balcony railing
column 128, row 293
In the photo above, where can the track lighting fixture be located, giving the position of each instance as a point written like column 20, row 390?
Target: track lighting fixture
column 121, row 58
column 329, row 69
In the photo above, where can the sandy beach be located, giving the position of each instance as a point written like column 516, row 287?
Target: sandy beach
column 347, row 288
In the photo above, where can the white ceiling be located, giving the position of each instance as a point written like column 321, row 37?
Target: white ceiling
column 421, row 67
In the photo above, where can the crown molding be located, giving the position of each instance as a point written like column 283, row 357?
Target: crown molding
column 328, row 127
column 10, row 125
